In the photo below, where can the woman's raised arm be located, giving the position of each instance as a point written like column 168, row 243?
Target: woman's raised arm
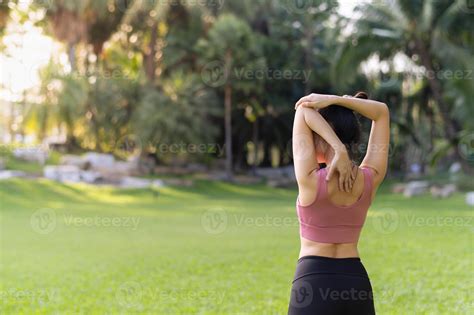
column 376, row 156
column 306, row 121
column 378, row 147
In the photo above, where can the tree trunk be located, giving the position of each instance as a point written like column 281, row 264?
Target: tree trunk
column 307, row 55
column 228, row 117
column 255, row 144
column 149, row 55
column 228, row 131
column 72, row 56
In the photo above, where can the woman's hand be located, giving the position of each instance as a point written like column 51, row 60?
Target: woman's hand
column 317, row 101
column 343, row 165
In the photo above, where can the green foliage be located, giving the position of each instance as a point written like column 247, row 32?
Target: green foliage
column 133, row 63
column 64, row 98
column 429, row 36
column 110, row 105
column 176, row 113
column 232, row 42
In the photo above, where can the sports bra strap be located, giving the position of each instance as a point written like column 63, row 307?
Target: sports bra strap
column 368, row 181
column 322, row 184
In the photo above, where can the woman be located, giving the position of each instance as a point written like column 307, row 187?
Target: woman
column 330, row 278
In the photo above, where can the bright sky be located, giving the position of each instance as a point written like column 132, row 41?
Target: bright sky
column 27, row 50
column 346, row 7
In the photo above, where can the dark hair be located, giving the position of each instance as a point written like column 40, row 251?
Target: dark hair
column 346, row 125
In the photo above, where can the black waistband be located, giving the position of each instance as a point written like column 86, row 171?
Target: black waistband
column 324, row 258
column 313, row 265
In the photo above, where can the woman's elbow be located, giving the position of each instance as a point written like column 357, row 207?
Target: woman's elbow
column 384, row 111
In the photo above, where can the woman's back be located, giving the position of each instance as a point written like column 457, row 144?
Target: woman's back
column 332, row 222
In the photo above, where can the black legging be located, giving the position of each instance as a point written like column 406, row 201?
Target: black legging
column 330, row 286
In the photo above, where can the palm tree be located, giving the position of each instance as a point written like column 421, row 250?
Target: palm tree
column 89, row 22
column 422, row 31
column 231, row 47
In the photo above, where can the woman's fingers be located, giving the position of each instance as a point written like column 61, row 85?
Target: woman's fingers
column 341, row 183
column 305, row 104
column 349, row 182
column 346, row 184
column 330, row 173
column 302, row 100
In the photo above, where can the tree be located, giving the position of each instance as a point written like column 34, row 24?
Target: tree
column 418, row 29
column 173, row 120
column 90, row 22
column 229, row 53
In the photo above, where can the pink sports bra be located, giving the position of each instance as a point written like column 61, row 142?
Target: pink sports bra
column 325, row 222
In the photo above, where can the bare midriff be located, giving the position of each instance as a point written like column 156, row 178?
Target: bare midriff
column 341, row 250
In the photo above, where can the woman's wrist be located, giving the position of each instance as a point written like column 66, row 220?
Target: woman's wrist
column 340, row 149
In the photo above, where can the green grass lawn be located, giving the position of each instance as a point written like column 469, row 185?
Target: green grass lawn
column 215, row 248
